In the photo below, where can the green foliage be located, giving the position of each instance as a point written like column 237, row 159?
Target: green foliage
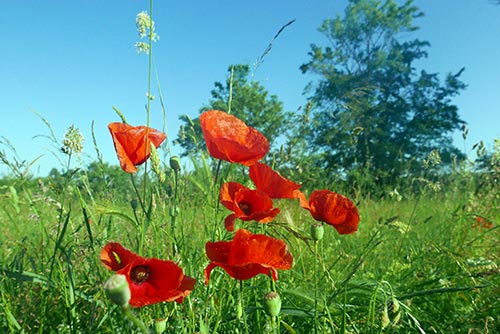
column 373, row 110
column 380, row 279
column 423, row 260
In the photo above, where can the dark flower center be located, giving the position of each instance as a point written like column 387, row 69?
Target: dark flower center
column 245, row 207
column 139, row 274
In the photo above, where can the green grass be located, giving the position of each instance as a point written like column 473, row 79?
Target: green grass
column 415, row 265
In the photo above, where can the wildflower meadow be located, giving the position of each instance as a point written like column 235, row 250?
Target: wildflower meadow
column 237, row 240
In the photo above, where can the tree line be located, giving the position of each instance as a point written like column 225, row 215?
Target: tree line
column 372, row 118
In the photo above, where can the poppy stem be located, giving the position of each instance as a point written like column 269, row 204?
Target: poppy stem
column 173, row 215
column 131, row 316
column 273, row 284
column 316, row 286
column 216, row 186
column 230, row 100
column 240, row 309
column 139, row 223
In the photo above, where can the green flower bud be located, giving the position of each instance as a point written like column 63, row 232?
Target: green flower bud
column 396, row 319
column 133, row 204
column 175, row 163
column 174, row 211
column 272, row 303
column 118, row 290
column 160, row 325
column 385, row 321
column 317, row 231
column 394, row 305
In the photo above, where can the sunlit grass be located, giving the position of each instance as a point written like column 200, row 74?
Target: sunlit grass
column 421, row 251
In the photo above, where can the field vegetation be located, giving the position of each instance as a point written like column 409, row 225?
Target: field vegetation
column 360, row 216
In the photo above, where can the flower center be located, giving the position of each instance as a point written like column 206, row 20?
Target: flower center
column 245, row 207
column 139, row 274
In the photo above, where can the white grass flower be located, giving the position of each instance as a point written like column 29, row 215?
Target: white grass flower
column 146, row 29
column 72, row 141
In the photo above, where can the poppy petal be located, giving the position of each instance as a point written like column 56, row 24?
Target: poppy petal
column 115, row 257
column 248, row 255
column 246, row 204
column 240, row 272
column 187, row 285
column 334, row 209
column 132, row 143
column 161, row 282
column 227, row 194
column 150, row 280
column 229, row 222
column 218, row 251
column 125, row 163
column 259, row 248
column 271, row 182
column 229, row 138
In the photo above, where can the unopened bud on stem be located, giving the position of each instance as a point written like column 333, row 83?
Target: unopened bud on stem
column 175, row 163
column 118, row 290
column 317, row 231
column 272, row 303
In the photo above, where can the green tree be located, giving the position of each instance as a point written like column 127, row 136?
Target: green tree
column 374, row 113
column 245, row 99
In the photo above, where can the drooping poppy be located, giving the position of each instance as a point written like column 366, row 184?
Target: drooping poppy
column 272, row 183
column 248, row 255
column 333, row 209
column 150, row 280
column 132, row 143
column 247, row 204
column 229, row 138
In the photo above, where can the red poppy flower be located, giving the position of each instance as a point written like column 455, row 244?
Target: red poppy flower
column 247, row 204
column 272, row 183
column 132, row 143
column 229, row 138
column 248, row 255
column 151, row 280
column 481, row 222
column 334, row 209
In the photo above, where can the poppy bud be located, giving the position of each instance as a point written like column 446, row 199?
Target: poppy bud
column 385, row 321
column 133, row 204
column 396, row 319
column 272, row 303
column 175, row 163
column 394, row 305
column 160, row 325
column 118, row 290
column 317, row 231
column 174, row 211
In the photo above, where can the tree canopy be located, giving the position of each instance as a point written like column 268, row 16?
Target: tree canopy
column 373, row 110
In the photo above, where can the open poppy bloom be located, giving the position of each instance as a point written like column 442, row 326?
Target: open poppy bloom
column 247, row 204
column 248, row 255
column 272, row 183
column 151, row 280
column 229, row 138
column 333, row 209
column 132, row 143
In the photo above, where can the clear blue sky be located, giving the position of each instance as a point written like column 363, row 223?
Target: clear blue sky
column 71, row 61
